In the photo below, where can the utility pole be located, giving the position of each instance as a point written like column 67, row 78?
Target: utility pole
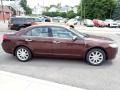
column 3, row 11
column 84, row 12
column 43, row 7
column 81, row 9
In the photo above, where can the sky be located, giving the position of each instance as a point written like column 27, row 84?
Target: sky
column 32, row 3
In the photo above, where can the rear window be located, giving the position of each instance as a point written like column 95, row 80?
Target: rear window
column 21, row 20
column 17, row 20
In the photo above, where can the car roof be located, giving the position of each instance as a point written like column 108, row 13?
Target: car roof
column 21, row 17
column 51, row 24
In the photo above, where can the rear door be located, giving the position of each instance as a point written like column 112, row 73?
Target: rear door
column 39, row 40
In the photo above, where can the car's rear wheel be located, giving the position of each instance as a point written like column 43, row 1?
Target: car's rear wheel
column 96, row 57
column 23, row 54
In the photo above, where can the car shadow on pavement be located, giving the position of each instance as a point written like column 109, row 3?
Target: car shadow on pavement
column 52, row 61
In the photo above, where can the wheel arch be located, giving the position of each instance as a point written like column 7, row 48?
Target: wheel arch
column 22, row 46
column 96, row 48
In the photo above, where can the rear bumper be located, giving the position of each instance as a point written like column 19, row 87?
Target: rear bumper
column 7, row 48
column 113, row 25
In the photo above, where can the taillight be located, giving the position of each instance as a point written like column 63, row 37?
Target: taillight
column 11, row 24
column 5, row 37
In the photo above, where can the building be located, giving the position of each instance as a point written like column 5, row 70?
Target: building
column 38, row 9
column 75, row 9
column 15, row 7
column 11, row 8
column 65, row 8
column 53, row 8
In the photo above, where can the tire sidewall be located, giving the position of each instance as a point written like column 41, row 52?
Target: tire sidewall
column 100, row 50
column 30, row 55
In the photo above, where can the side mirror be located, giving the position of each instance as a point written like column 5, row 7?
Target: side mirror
column 74, row 38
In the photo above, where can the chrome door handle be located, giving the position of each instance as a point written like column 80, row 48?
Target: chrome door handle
column 28, row 40
column 56, row 42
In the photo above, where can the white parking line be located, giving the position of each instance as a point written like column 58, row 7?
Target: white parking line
column 10, row 81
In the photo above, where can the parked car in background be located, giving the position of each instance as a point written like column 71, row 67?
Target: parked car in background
column 111, row 23
column 118, row 22
column 51, row 40
column 55, row 19
column 45, row 19
column 98, row 23
column 18, row 22
column 64, row 20
column 72, row 22
column 58, row 19
column 35, row 21
column 88, row 23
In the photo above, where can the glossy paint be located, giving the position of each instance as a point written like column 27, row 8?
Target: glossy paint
column 57, row 47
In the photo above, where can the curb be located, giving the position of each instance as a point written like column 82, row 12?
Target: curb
column 10, row 81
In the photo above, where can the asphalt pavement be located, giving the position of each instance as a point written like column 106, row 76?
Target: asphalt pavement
column 69, row 72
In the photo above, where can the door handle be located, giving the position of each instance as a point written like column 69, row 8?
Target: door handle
column 28, row 40
column 56, row 42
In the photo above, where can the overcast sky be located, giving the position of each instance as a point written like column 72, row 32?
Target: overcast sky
column 32, row 3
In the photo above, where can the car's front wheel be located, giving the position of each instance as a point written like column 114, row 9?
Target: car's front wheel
column 23, row 54
column 96, row 57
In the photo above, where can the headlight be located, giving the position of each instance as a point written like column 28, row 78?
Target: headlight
column 113, row 45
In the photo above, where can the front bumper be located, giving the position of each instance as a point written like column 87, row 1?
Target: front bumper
column 111, row 53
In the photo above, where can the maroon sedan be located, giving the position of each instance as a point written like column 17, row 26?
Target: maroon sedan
column 58, row 41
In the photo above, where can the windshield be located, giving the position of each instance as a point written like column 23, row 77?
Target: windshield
column 79, row 33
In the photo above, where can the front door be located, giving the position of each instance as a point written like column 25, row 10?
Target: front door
column 63, row 44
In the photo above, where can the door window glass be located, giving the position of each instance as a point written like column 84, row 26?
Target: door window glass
column 41, row 32
column 59, row 32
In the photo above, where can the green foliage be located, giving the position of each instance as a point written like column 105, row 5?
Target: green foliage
column 69, row 14
column 27, row 9
column 99, row 9
column 51, row 14
column 116, row 13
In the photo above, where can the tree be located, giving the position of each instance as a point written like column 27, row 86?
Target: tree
column 68, row 14
column 27, row 9
column 116, row 13
column 71, row 14
column 99, row 9
column 55, row 14
column 63, row 14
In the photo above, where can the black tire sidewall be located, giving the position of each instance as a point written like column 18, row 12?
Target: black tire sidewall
column 100, row 50
column 30, row 55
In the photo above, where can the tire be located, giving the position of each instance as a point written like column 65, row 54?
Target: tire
column 21, row 28
column 23, row 54
column 96, row 57
column 109, row 25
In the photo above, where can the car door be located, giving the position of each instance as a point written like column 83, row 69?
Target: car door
column 63, row 44
column 38, row 39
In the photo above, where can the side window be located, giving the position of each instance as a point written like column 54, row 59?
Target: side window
column 59, row 32
column 39, row 31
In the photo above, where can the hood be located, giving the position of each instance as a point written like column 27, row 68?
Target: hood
column 99, row 39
